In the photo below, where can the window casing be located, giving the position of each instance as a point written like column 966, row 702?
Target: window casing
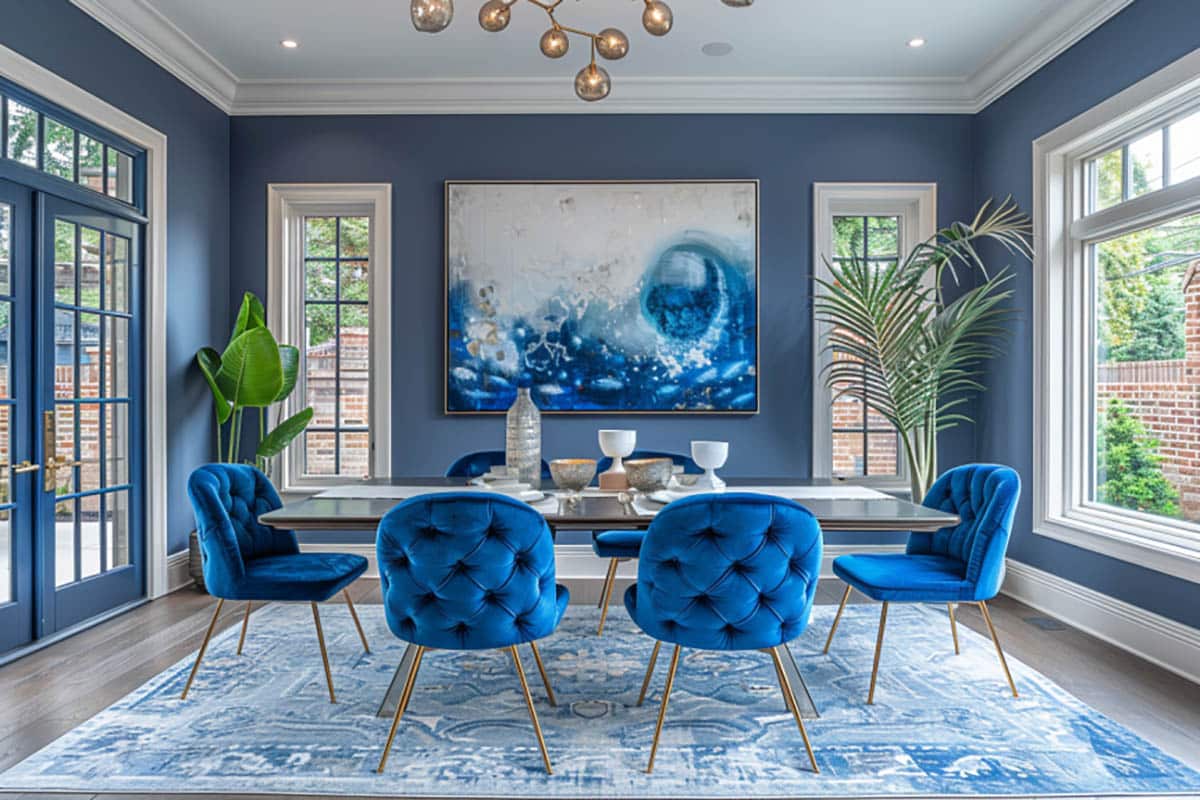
column 1117, row 226
column 849, row 441
column 329, row 293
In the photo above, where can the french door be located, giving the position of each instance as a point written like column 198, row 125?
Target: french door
column 69, row 416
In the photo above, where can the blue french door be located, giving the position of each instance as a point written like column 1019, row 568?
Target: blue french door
column 87, row 411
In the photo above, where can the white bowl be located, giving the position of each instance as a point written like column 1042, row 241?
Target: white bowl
column 710, row 455
column 616, row 443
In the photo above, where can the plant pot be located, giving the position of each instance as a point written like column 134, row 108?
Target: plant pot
column 196, row 561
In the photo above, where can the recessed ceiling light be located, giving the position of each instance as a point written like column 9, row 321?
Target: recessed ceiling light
column 290, row 44
column 916, row 41
column 717, row 49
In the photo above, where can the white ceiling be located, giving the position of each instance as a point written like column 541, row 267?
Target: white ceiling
column 361, row 56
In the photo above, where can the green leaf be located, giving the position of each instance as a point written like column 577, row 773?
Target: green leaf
column 251, row 315
column 275, row 441
column 210, row 364
column 289, row 356
column 251, row 370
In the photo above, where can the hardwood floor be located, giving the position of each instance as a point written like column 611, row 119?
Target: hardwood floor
column 52, row 691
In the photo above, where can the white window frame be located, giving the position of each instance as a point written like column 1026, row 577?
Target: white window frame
column 287, row 206
column 916, row 205
column 1064, row 347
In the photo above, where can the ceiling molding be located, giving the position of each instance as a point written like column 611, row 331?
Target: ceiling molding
column 142, row 26
column 162, row 42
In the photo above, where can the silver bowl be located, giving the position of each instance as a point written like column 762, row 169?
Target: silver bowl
column 649, row 474
column 573, row 474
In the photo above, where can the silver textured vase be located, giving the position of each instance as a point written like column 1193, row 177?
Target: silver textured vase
column 523, row 440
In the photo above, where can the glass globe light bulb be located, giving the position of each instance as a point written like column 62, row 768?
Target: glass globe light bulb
column 494, row 16
column 555, row 43
column 657, row 18
column 592, row 83
column 612, row 43
column 431, row 16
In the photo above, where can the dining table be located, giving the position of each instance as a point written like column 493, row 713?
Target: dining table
column 837, row 505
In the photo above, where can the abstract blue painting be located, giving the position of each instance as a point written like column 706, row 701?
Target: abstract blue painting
column 602, row 297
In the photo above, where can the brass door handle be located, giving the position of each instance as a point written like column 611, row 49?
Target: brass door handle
column 23, row 467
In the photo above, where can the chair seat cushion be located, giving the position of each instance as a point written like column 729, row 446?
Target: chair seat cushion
column 312, row 577
column 905, row 578
column 686, row 632
column 618, row 544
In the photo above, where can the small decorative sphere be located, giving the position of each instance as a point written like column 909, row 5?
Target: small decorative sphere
column 555, row 43
column 494, row 16
column 613, row 44
column 592, row 83
column 657, row 19
column 431, row 16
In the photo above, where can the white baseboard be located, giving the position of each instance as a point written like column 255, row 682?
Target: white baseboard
column 577, row 562
column 178, row 575
column 1159, row 640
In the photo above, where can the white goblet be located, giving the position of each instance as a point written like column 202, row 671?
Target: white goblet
column 616, row 444
column 710, row 456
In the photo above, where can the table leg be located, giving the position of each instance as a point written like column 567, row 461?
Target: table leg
column 387, row 708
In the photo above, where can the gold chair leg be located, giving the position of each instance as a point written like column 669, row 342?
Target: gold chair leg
column 537, row 656
column 537, row 728
column 401, row 705
column 838, row 618
column 649, row 672
column 987, row 617
column 789, row 699
column 878, row 650
column 324, row 654
column 662, row 709
column 953, row 626
column 203, row 646
column 357, row 624
column 609, row 580
column 245, row 624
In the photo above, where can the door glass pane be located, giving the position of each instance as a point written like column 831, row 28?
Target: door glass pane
column 89, row 536
column 65, row 447
column 116, row 444
column 58, row 149
column 5, row 246
column 89, row 447
column 64, row 354
column 64, row 542
column 6, row 558
column 22, row 133
column 64, row 262
column 353, row 342
column 89, row 356
column 5, row 347
column 116, row 356
column 91, row 163
column 116, row 273
column 89, row 267
column 120, row 175
column 117, row 525
column 5, row 453
column 320, row 364
column 320, row 453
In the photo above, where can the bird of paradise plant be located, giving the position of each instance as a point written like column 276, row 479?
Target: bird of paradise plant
column 253, row 372
column 905, row 351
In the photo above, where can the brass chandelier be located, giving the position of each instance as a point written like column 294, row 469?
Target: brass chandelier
column 592, row 83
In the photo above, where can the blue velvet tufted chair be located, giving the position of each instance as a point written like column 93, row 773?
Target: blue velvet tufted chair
column 472, row 465
column 618, row 546
column 960, row 564
column 730, row 571
column 246, row 560
column 469, row 571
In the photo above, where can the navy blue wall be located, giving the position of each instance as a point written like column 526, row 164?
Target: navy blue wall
column 70, row 43
column 417, row 153
column 1140, row 40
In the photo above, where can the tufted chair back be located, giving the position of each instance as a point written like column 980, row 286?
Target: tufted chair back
column 467, row 571
column 472, row 465
column 689, row 467
column 227, row 500
column 729, row 571
column 984, row 496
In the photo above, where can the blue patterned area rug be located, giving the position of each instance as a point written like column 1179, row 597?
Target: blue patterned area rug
column 942, row 724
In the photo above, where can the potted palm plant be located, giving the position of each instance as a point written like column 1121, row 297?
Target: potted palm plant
column 901, row 347
column 253, row 372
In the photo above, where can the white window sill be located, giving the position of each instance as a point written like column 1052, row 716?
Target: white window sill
column 1130, row 538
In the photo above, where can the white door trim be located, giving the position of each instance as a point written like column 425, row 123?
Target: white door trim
column 36, row 78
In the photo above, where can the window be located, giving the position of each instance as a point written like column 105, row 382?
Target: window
column 1117, row 379
column 878, row 223
column 329, row 294
column 41, row 141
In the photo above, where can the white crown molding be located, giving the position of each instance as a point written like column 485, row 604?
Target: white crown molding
column 142, row 26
